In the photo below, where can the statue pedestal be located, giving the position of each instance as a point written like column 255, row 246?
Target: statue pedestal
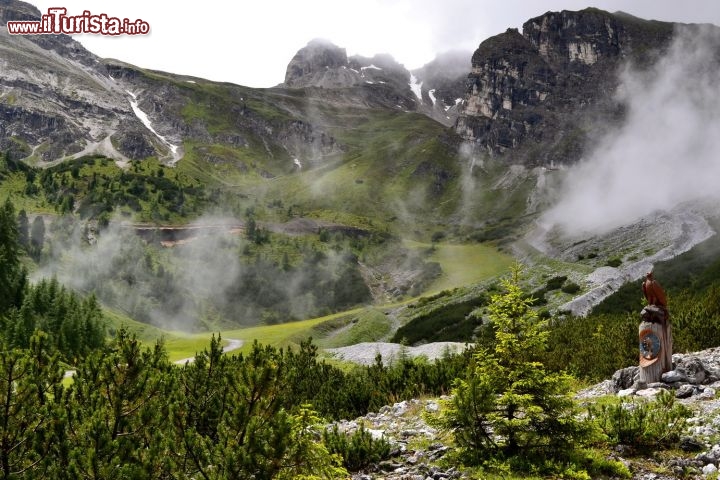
column 652, row 352
column 655, row 344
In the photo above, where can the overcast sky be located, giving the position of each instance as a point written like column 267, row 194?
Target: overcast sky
column 251, row 42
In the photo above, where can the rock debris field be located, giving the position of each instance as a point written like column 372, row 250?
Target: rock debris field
column 417, row 447
column 365, row 353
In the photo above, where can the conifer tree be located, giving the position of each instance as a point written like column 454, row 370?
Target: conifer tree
column 30, row 384
column 117, row 411
column 23, row 230
column 510, row 406
column 9, row 262
column 37, row 235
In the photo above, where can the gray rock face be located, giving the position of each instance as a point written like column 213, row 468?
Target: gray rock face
column 59, row 101
column 693, row 369
column 435, row 90
column 319, row 64
column 536, row 92
column 443, row 86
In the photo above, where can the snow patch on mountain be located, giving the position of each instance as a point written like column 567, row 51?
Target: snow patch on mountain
column 142, row 116
column 416, row 87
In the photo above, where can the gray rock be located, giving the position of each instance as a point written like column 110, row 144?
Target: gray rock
column 689, row 444
column 709, row 469
column 685, row 391
column 389, row 466
column 693, row 368
column 627, row 392
column 648, row 392
column 707, row 394
column 625, row 378
column 376, row 434
column 432, row 407
column 674, row 376
column 399, row 409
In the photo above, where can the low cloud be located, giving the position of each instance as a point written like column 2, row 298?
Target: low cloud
column 666, row 152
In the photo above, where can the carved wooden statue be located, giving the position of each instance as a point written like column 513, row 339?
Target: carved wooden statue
column 655, row 333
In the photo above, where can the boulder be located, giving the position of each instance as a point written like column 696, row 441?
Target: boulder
column 625, row 378
column 685, row 391
column 674, row 376
column 693, row 369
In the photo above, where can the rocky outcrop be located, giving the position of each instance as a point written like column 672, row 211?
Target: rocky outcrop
column 443, row 85
column 59, row 101
column 320, row 64
column 404, row 427
column 694, row 380
column 373, row 81
column 537, row 92
column 435, row 90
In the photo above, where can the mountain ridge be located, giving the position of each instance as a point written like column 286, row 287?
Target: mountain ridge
column 538, row 93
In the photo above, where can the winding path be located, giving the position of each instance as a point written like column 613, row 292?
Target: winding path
column 233, row 344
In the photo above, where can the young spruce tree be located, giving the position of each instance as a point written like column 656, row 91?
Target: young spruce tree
column 510, row 408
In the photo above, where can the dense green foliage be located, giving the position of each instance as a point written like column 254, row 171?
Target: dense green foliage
column 510, row 407
column 95, row 187
column 358, row 449
column 75, row 327
column 72, row 326
column 592, row 347
column 12, row 277
column 130, row 413
column 642, row 424
column 443, row 323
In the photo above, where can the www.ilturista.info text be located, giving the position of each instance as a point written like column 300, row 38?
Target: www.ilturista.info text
column 56, row 21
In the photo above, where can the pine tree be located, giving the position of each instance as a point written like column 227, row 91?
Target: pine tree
column 117, row 411
column 30, row 385
column 37, row 235
column 10, row 270
column 510, row 406
column 199, row 405
column 23, row 230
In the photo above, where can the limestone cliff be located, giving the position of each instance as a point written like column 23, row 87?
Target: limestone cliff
column 538, row 93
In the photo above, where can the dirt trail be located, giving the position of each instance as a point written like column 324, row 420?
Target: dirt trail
column 233, row 344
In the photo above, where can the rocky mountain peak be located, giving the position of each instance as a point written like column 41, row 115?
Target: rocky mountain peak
column 434, row 90
column 537, row 92
column 312, row 62
column 12, row 10
column 584, row 36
